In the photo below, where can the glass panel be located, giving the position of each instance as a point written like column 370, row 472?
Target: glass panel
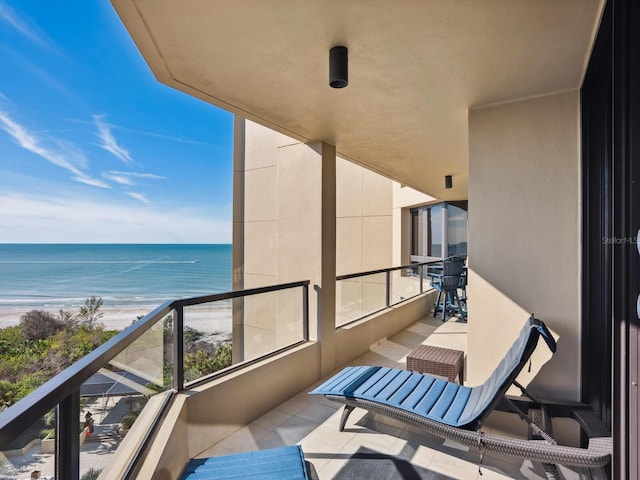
column 114, row 418
column 220, row 334
column 26, row 454
column 267, row 322
column 142, row 361
column 359, row 297
column 457, row 229
column 405, row 284
column 207, row 338
column 435, row 231
column 417, row 232
column 114, row 398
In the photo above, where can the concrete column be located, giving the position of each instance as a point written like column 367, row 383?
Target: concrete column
column 327, row 290
column 284, row 230
column 237, row 247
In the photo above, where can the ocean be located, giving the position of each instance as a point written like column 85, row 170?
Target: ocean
column 127, row 277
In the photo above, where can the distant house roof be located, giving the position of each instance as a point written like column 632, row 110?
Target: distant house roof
column 108, row 383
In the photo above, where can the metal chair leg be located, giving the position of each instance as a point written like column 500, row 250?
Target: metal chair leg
column 464, row 319
column 445, row 304
column 345, row 415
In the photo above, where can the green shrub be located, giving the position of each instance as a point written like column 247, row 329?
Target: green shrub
column 38, row 325
column 92, row 474
column 129, row 419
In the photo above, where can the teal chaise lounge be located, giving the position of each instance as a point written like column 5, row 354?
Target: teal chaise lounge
column 457, row 412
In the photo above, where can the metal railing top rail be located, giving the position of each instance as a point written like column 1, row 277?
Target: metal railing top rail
column 216, row 297
column 25, row 411
column 385, row 270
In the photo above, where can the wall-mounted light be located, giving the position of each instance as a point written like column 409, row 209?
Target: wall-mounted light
column 448, row 181
column 338, row 67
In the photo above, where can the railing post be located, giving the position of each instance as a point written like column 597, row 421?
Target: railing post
column 388, row 275
column 305, row 312
column 67, row 460
column 421, row 278
column 178, row 348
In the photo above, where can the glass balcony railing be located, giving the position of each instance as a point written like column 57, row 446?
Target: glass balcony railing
column 359, row 295
column 85, row 411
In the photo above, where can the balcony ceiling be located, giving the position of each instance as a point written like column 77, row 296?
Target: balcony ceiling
column 415, row 68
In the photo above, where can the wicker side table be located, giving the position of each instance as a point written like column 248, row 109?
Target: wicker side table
column 437, row 361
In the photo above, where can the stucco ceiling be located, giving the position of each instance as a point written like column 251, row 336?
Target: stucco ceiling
column 415, row 68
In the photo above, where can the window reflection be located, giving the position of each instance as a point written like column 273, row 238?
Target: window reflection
column 435, row 226
column 457, row 229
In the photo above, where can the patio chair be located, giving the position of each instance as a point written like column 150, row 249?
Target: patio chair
column 447, row 281
column 284, row 463
column 457, row 412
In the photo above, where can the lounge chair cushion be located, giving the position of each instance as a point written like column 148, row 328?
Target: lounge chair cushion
column 422, row 394
column 437, row 399
column 285, row 463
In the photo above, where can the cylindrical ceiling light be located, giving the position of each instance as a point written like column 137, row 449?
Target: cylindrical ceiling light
column 448, row 181
column 338, row 67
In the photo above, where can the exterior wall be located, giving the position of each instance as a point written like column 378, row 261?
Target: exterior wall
column 364, row 225
column 221, row 407
column 525, row 237
column 363, row 219
column 277, row 234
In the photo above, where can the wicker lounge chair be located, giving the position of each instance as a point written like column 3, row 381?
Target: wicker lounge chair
column 456, row 412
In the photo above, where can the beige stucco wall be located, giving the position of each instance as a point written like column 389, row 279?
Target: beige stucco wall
column 277, row 232
column 524, row 235
column 363, row 219
column 364, row 225
column 277, row 235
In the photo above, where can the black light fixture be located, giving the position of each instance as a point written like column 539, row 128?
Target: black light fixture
column 338, row 67
column 448, row 181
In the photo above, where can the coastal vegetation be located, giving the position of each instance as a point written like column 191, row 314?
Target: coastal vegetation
column 43, row 344
column 201, row 355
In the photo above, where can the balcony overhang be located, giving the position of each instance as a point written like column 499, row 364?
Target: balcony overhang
column 415, row 69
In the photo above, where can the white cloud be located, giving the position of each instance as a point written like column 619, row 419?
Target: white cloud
column 94, row 182
column 152, row 176
column 28, row 219
column 167, row 137
column 140, row 197
column 126, row 178
column 108, row 141
column 118, row 178
column 69, row 159
column 32, row 33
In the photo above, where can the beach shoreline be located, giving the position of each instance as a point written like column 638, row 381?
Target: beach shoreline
column 212, row 319
column 114, row 318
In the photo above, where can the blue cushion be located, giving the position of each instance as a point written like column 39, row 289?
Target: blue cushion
column 286, row 463
column 422, row 394
column 437, row 399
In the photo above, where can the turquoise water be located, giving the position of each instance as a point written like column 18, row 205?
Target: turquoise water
column 54, row 276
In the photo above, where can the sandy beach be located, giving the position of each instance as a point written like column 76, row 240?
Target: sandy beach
column 209, row 319
column 114, row 318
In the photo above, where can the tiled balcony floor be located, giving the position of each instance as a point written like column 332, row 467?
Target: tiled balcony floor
column 374, row 447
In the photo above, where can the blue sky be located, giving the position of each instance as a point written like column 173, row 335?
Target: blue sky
column 92, row 148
